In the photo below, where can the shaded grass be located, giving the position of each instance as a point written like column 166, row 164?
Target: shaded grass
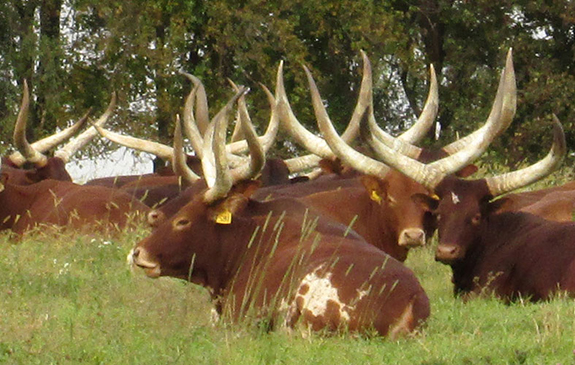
column 73, row 300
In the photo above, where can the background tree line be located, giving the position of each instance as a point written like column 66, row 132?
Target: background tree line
column 75, row 53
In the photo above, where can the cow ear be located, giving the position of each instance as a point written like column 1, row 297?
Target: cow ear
column 494, row 206
column 331, row 166
column 246, row 188
column 224, row 212
column 376, row 188
column 467, row 171
column 429, row 203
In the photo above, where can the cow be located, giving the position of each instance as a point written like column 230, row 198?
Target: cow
column 45, row 167
column 510, row 255
column 279, row 262
column 64, row 204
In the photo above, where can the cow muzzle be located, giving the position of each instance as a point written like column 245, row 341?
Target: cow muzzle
column 448, row 253
column 140, row 258
column 411, row 238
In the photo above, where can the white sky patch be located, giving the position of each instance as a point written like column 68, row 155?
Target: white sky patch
column 121, row 161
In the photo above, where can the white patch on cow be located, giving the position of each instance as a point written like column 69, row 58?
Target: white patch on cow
column 454, row 198
column 320, row 291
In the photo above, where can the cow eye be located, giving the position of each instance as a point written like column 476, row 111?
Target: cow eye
column 181, row 223
column 476, row 219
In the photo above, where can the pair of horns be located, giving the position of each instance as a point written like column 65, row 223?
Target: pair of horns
column 219, row 177
column 34, row 152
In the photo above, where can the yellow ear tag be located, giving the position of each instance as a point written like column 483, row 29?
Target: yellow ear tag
column 435, row 196
column 224, row 217
column 375, row 197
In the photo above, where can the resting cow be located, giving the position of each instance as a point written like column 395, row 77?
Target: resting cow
column 511, row 254
column 64, row 204
column 279, row 261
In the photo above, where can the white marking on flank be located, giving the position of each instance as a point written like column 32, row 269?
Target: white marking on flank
column 315, row 292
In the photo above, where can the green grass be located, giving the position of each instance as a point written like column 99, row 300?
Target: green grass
column 71, row 300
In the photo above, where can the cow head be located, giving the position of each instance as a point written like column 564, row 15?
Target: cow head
column 407, row 217
column 185, row 245
column 193, row 230
column 30, row 159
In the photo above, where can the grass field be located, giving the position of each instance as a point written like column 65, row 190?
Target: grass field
column 74, row 300
column 71, row 300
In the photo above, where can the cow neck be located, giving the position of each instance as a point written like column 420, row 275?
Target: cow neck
column 498, row 232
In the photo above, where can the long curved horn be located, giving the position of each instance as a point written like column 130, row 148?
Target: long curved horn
column 179, row 164
column 20, row 141
column 430, row 175
column 202, row 114
column 215, row 162
column 395, row 143
column 257, row 152
column 311, row 142
column 507, row 182
column 268, row 139
column 507, row 113
column 158, row 149
column 341, row 149
column 404, row 143
column 425, row 121
column 52, row 141
column 85, row 137
column 190, row 124
column 49, row 142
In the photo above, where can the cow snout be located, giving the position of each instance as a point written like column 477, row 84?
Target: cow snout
column 447, row 253
column 155, row 218
column 140, row 258
column 136, row 252
column 413, row 237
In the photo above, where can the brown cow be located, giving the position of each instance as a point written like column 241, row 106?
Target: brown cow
column 510, row 254
column 280, row 262
column 64, row 204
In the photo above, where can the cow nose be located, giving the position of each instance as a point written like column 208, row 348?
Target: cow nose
column 412, row 238
column 447, row 253
column 155, row 217
column 415, row 235
column 136, row 252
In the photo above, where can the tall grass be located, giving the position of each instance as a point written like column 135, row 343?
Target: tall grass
column 73, row 300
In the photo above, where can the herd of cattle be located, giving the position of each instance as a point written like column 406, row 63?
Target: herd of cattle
column 323, row 249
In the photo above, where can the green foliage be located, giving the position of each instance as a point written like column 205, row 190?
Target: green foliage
column 137, row 47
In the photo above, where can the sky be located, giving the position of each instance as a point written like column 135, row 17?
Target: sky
column 121, row 161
